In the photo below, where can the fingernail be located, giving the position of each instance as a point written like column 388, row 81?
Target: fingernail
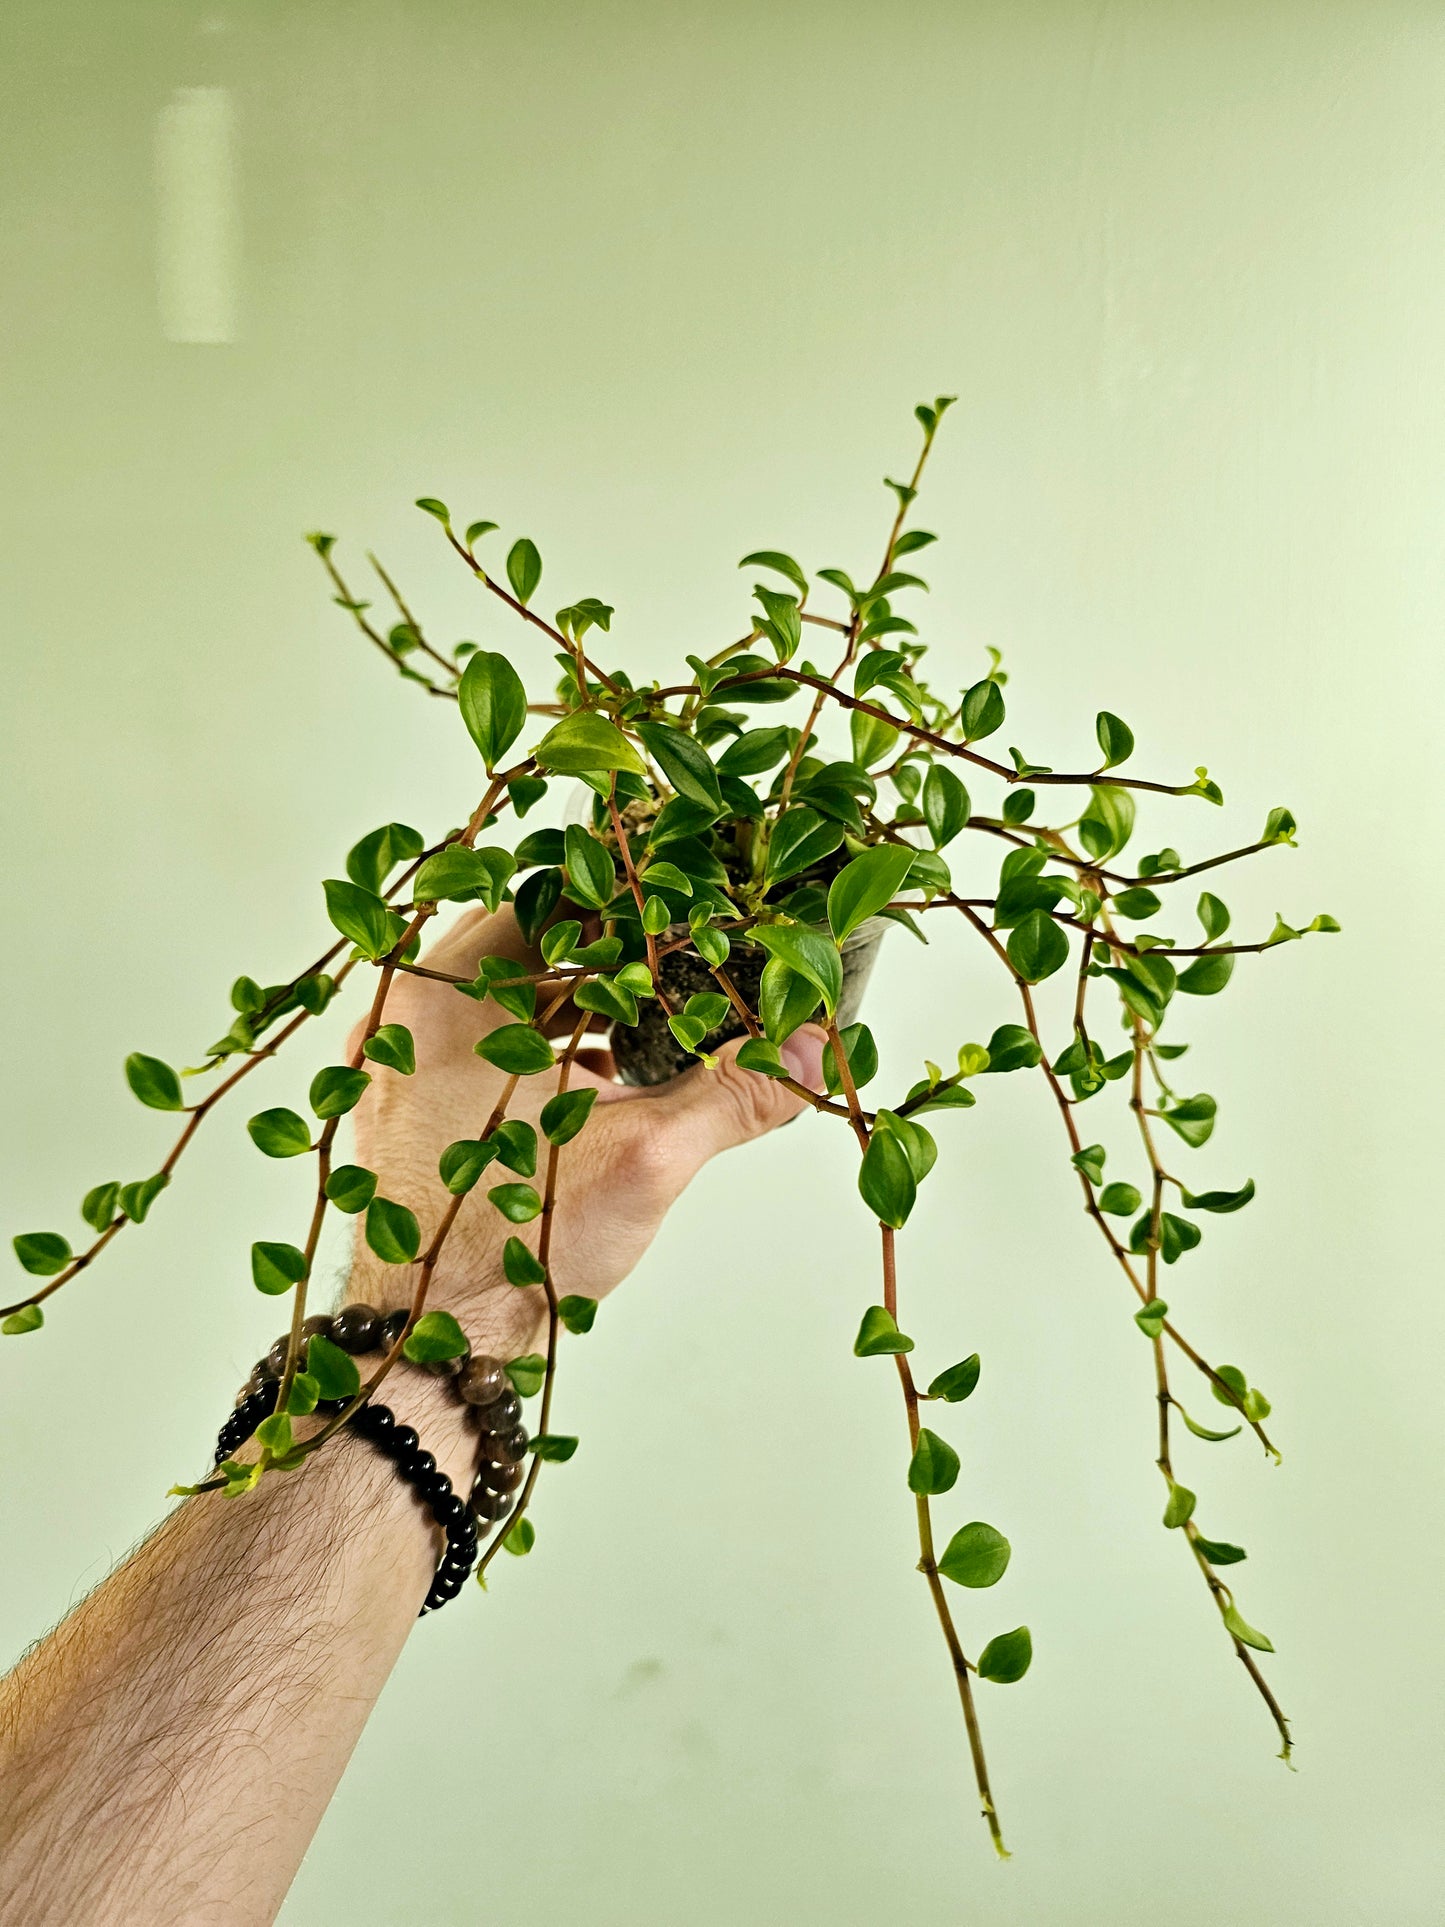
column 803, row 1055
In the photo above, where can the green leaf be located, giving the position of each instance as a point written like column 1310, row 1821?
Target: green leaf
column 1213, row 915
column 946, row 804
column 1237, row 1383
column 1019, row 806
column 1180, row 1506
column 392, row 1231
column 1176, row 1235
column 591, row 879
column 433, row 507
column 275, row 1434
column 457, row 874
column 463, row 1162
column 42, row 1253
column 1012, row 1048
column 918, row 1144
column 279, row 1133
column 521, row 1539
column 1116, row 739
column 862, row 887
column 666, row 876
column 755, row 750
column 878, row 1335
column 1219, row 1552
column 605, row 997
column 98, row 1205
column 861, row 1053
column 958, row 1382
column 873, row 740
column 684, row 762
column 585, row 741
column 1279, row 827
column 436, row 1335
column 1119, row 1199
column 800, row 838
column 577, row 1313
column 757, row 1054
column 29, row 1318
column 527, row 1373
column 517, row 1049
column 1007, row 1657
column 363, row 917
column 371, row 861
column 1107, row 822
column 337, row 1089
column 553, row 1446
column 275, row 1268
column 934, row 1465
column 334, row 1370
column 303, row 1396
column 1091, row 1162
column 1151, row 1317
column 983, row 710
column 1137, row 904
column 655, row 915
column 516, row 1143
column 314, row 993
column 393, row 1046
column 564, row 1115
column 1220, row 1200
column 775, row 559
column 154, row 1082
column 493, row 703
column 785, row 1000
column 1246, row 1634
column 137, row 1198
column 711, row 945
column 475, row 532
column 522, row 1267
column 886, row 1181
column 1207, row 976
column 807, row 954
column 351, row 1188
column 524, row 569
column 518, row 1203
column 1037, row 947
column 525, row 792
column 1203, row 1431
column 977, row 1555
column 1193, row 1118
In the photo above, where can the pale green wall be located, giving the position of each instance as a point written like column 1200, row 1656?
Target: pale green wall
column 658, row 283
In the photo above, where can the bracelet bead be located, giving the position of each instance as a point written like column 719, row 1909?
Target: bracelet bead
column 510, row 1448
column 490, row 1506
column 391, row 1328
column 355, row 1328
column 502, row 1414
column 500, row 1477
column 483, row 1380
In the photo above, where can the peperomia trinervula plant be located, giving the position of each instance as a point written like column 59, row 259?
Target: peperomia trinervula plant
column 747, row 833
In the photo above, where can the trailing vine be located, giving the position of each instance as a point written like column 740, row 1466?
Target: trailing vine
column 689, row 903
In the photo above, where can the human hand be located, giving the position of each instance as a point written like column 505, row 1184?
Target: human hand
column 636, row 1154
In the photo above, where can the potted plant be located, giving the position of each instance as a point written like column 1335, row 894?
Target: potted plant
column 746, row 836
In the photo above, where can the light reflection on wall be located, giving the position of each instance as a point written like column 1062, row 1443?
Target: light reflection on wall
column 197, row 217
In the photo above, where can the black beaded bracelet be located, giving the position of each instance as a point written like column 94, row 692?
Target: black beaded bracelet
column 401, row 1444
column 484, row 1388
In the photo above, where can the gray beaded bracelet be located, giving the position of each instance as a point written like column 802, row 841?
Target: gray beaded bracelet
column 479, row 1380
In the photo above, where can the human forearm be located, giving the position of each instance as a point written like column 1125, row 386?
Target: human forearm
column 208, row 1695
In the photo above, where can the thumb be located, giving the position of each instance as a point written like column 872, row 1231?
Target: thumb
column 712, row 1108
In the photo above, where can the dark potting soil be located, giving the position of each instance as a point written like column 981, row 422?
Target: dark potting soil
column 648, row 1053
